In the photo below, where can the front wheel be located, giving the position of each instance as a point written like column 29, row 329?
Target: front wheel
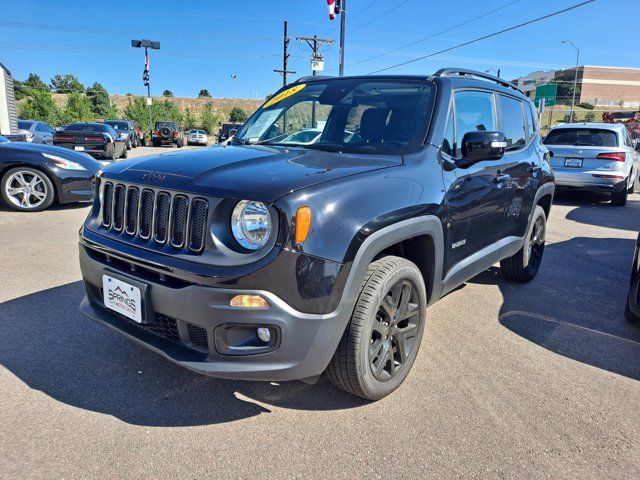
column 179, row 143
column 381, row 341
column 27, row 189
column 124, row 153
column 524, row 265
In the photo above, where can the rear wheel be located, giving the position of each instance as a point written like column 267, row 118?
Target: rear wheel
column 381, row 342
column 124, row 153
column 620, row 198
column 179, row 143
column 524, row 265
column 27, row 189
column 129, row 144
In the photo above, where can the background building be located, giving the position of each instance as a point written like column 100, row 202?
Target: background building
column 599, row 86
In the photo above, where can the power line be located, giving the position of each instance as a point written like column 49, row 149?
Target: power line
column 435, row 34
column 484, row 37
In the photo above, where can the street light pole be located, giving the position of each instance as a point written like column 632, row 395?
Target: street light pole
column 343, row 23
column 233, row 77
column 575, row 78
column 147, row 44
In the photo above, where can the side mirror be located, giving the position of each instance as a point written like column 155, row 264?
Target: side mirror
column 478, row 146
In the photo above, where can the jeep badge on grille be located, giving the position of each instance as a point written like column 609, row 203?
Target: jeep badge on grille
column 154, row 176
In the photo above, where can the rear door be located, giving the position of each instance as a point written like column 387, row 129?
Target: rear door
column 476, row 197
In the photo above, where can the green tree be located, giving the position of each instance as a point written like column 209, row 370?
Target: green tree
column 237, row 115
column 167, row 93
column 188, row 119
column 166, row 111
column 66, row 84
column 590, row 116
column 39, row 105
column 204, row 93
column 77, row 109
column 565, row 88
column 33, row 81
column 136, row 109
column 210, row 118
column 100, row 101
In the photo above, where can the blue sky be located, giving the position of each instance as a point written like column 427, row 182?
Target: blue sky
column 204, row 42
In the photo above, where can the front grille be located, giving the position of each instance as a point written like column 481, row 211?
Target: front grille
column 153, row 214
column 198, row 336
column 164, row 326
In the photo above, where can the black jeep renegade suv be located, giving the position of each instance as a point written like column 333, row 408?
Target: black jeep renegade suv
column 279, row 258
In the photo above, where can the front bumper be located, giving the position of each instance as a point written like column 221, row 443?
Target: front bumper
column 185, row 320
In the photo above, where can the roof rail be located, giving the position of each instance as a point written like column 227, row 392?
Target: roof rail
column 313, row 77
column 449, row 72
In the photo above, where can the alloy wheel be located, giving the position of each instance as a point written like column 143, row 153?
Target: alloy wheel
column 394, row 332
column 26, row 189
column 536, row 242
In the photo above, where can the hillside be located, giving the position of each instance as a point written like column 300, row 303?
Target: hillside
column 196, row 105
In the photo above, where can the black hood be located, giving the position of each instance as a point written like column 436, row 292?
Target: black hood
column 247, row 172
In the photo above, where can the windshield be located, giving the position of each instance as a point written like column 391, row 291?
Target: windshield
column 24, row 125
column 349, row 115
column 160, row 125
column 582, row 137
column 118, row 125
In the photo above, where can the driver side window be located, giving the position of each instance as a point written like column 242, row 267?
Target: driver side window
column 474, row 111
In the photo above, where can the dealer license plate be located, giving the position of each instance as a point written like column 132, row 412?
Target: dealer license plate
column 123, row 298
column 78, row 149
column 573, row 162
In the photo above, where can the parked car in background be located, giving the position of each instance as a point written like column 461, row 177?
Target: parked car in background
column 36, row 132
column 197, row 137
column 269, row 261
column 167, row 133
column 306, row 136
column 227, row 130
column 125, row 130
column 598, row 157
column 33, row 176
column 4, row 139
column 632, row 308
column 631, row 120
column 140, row 138
column 96, row 139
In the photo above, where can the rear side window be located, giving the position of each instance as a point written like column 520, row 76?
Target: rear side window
column 512, row 122
column 22, row 125
column 474, row 112
column 582, row 137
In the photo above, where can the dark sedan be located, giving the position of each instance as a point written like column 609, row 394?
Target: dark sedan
column 96, row 139
column 32, row 176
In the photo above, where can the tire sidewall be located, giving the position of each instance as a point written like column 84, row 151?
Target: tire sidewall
column 537, row 213
column 372, row 386
column 50, row 197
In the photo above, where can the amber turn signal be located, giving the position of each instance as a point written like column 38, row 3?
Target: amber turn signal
column 248, row 301
column 303, row 224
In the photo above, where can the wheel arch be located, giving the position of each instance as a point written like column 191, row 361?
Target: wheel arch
column 44, row 170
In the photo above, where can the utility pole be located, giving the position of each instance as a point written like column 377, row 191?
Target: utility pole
column 285, row 58
column 343, row 23
column 147, row 44
column 314, row 42
column 575, row 78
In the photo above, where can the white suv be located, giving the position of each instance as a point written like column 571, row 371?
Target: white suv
column 594, row 156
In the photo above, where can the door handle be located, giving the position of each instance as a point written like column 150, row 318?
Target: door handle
column 501, row 178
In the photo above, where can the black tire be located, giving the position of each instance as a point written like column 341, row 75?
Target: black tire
column 128, row 144
column 634, row 186
column 143, row 141
column 620, row 198
column 45, row 187
column 514, row 267
column 134, row 143
column 179, row 143
column 156, row 143
column 124, row 153
column 353, row 367
column 629, row 315
column 110, row 152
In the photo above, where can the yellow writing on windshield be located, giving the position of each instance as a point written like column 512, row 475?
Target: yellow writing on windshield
column 282, row 95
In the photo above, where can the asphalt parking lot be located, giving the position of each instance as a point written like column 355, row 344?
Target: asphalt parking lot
column 512, row 381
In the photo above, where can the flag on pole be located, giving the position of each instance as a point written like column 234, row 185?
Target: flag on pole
column 334, row 8
column 145, row 74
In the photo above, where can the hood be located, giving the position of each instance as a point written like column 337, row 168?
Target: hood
column 252, row 172
column 35, row 148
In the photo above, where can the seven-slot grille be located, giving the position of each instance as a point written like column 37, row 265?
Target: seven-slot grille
column 152, row 214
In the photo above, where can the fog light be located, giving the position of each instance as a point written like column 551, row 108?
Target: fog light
column 248, row 301
column 264, row 334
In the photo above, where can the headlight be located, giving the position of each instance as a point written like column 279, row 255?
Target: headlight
column 64, row 163
column 251, row 224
